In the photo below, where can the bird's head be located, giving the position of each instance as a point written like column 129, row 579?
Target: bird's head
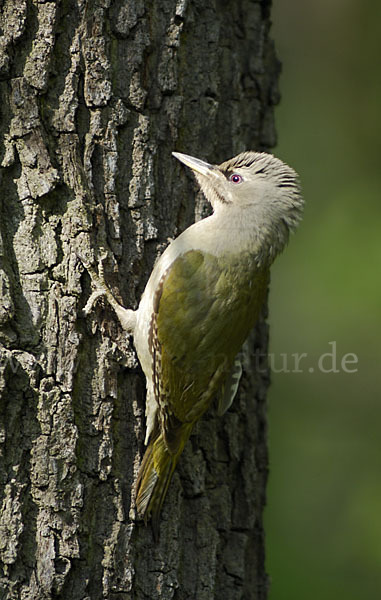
column 263, row 189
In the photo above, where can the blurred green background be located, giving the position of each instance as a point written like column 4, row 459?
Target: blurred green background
column 323, row 518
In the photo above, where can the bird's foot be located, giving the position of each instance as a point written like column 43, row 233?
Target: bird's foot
column 98, row 280
column 127, row 317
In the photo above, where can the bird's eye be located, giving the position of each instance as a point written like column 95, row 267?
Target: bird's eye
column 235, row 178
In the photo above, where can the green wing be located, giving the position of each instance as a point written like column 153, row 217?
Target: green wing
column 205, row 311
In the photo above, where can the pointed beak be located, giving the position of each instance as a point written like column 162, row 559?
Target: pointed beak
column 195, row 164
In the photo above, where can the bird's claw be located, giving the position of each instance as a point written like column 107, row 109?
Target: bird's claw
column 127, row 317
column 98, row 279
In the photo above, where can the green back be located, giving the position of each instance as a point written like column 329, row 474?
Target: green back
column 206, row 309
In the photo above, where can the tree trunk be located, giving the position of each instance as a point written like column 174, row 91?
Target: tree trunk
column 94, row 97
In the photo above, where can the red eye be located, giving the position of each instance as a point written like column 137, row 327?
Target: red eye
column 235, row 178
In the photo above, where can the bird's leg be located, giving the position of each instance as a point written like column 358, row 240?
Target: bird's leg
column 126, row 316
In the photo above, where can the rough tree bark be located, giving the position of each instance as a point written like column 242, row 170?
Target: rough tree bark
column 94, row 97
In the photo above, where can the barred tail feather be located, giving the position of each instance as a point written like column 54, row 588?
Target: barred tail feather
column 155, row 474
column 153, row 481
